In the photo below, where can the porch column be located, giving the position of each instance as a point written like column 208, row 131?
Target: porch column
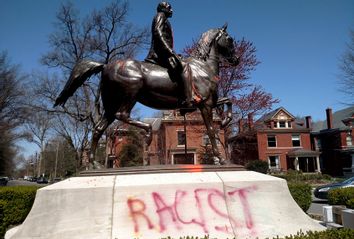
column 318, row 164
column 172, row 159
column 297, row 167
column 195, row 158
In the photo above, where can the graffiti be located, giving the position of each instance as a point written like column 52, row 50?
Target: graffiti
column 198, row 207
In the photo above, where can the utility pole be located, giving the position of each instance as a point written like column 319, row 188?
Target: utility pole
column 185, row 138
column 56, row 160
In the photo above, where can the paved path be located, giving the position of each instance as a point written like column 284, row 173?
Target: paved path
column 21, row 183
column 316, row 205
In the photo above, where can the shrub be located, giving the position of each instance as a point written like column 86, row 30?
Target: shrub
column 350, row 203
column 15, row 204
column 297, row 176
column 258, row 166
column 342, row 196
column 301, row 192
column 344, row 233
column 328, row 234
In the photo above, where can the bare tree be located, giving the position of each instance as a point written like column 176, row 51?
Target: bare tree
column 12, row 111
column 38, row 126
column 104, row 35
column 346, row 79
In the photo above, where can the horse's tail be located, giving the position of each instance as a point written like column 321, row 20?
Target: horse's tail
column 81, row 72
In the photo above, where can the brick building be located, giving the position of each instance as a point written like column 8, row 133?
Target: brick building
column 278, row 138
column 334, row 139
column 168, row 143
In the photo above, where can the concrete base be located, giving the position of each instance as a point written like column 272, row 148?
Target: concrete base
column 240, row 204
column 348, row 218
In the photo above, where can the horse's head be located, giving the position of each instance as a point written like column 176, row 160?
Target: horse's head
column 219, row 39
column 225, row 45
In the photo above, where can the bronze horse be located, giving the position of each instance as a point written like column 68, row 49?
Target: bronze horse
column 126, row 82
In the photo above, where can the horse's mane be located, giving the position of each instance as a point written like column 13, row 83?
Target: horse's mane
column 202, row 49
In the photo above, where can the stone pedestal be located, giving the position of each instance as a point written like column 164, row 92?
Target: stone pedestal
column 223, row 204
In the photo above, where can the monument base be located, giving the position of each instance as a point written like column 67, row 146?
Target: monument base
column 222, row 204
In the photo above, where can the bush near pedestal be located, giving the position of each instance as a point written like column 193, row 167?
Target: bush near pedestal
column 15, row 204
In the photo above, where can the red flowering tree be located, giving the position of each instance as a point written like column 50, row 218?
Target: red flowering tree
column 234, row 83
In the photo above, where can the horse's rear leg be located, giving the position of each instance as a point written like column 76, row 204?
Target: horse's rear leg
column 125, row 117
column 97, row 134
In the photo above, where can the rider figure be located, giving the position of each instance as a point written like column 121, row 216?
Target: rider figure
column 162, row 53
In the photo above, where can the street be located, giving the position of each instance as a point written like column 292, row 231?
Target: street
column 21, row 183
column 316, row 205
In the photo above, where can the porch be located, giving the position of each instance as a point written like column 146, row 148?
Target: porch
column 305, row 160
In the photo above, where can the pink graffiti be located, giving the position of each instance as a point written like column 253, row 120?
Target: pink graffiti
column 205, row 199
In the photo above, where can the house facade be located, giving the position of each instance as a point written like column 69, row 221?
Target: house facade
column 333, row 138
column 169, row 145
column 278, row 138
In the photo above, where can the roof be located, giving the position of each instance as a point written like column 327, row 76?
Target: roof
column 337, row 117
column 302, row 153
column 155, row 123
column 260, row 123
column 273, row 113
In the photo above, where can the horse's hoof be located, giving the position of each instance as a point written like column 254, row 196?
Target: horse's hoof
column 97, row 165
column 216, row 161
column 220, row 161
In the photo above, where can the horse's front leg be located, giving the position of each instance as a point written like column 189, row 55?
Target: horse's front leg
column 208, row 121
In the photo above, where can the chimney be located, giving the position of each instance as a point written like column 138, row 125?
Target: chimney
column 329, row 118
column 250, row 121
column 308, row 122
column 240, row 125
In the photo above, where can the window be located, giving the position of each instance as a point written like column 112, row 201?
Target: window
column 206, row 140
column 296, row 140
column 272, row 141
column 349, row 139
column 283, row 124
column 273, row 162
column 182, row 159
column 180, row 138
column 318, row 144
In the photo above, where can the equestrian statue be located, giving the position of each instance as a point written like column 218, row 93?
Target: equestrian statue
column 162, row 81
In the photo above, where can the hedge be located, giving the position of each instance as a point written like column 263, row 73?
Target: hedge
column 301, row 192
column 15, row 204
column 328, row 234
column 258, row 166
column 296, row 176
column 342, row 196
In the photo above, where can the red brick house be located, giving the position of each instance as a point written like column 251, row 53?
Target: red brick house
column 334, row 139
column 114, row 145
column 168, row 143
column 278, row 138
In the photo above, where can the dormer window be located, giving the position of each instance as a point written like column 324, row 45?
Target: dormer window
column 282, row 124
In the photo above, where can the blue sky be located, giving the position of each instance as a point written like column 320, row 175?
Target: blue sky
column 299, row 43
